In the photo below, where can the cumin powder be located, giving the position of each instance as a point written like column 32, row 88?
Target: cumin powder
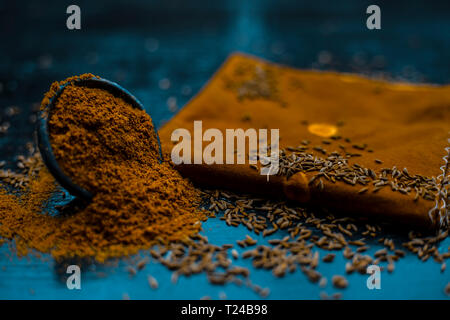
column 109, row 148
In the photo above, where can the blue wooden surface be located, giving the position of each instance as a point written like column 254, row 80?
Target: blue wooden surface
column 139, row 43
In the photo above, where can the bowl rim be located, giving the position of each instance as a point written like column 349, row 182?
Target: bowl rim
column 43, row 136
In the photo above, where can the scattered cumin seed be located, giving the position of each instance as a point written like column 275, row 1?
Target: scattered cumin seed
column 313, row 275
column 447, row 289
column 337, row 296
column 390, row 267
column 359, row 146
column 305, row 142
column 362, row 249
column 339, row 282
column 174, row 278
column 349, row 267
column 132, row 271
column 264, row 293
column 153, row 283
column 363, row 190
column 329, row 257
column 380, row 252
column 323, row 295
column 142, row 263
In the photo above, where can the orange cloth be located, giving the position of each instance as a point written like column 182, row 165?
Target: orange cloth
column 406, row 125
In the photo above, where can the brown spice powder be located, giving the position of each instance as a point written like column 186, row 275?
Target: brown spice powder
column 110, row 149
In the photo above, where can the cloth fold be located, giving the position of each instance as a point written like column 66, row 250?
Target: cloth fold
column 361, row 146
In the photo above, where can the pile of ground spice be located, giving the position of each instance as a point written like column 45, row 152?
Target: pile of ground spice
column 109, row 148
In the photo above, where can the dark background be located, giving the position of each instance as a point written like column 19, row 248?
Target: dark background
column 164, row 51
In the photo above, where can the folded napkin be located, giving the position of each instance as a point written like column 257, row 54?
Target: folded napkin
column 357, row 145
